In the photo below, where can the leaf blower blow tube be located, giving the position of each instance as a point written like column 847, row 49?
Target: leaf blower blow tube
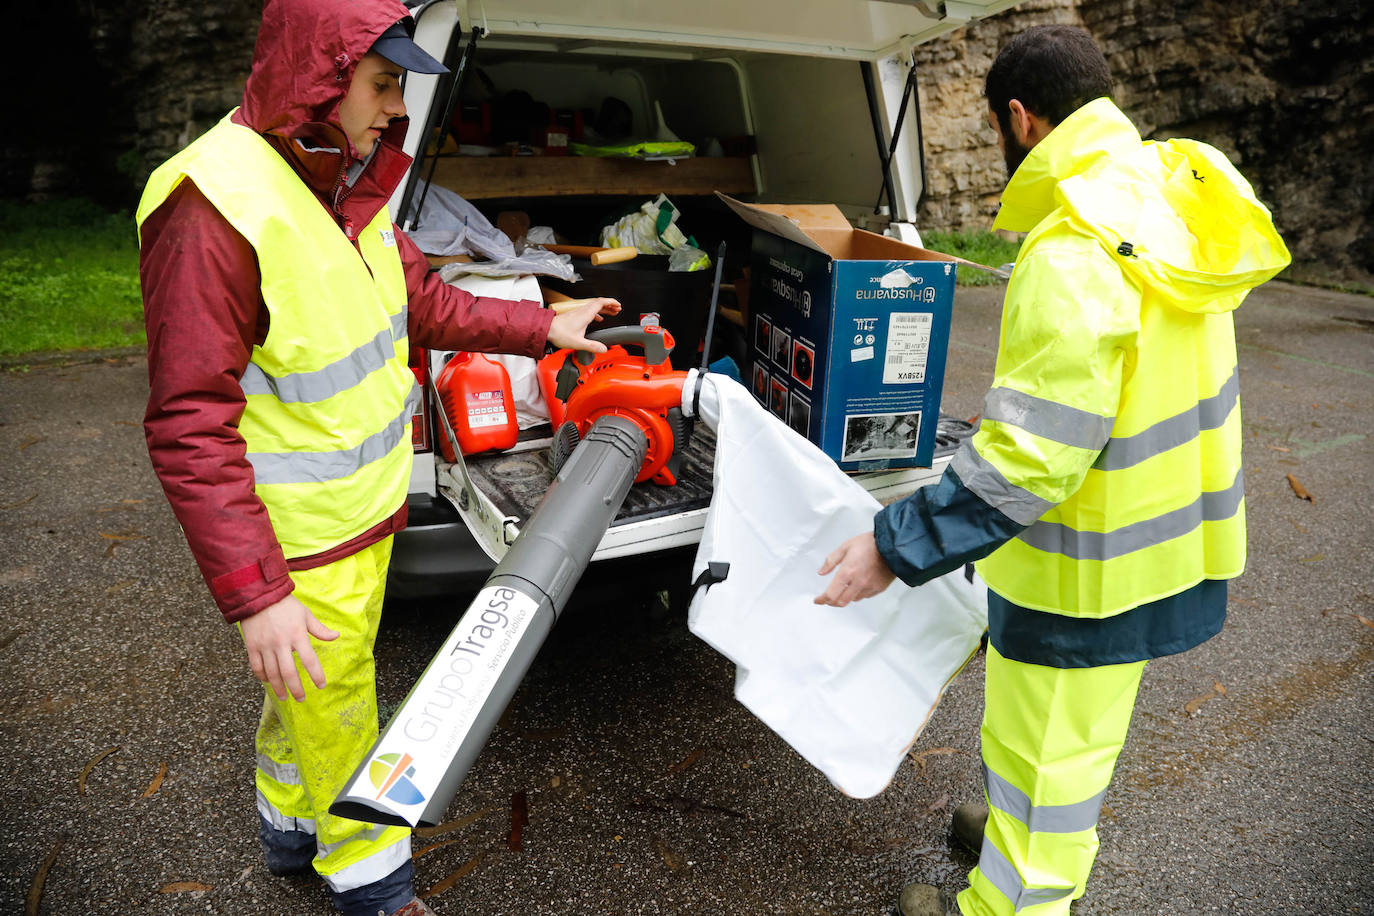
column 414, row 770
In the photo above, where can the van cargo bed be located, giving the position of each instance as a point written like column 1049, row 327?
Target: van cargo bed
column 516, row 482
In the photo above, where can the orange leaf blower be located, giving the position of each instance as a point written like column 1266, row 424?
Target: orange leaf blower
column 581, row 387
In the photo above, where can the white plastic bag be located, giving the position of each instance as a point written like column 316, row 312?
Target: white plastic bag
column 849, row 688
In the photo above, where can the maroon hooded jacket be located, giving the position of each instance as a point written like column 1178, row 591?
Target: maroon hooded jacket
column 204, row 310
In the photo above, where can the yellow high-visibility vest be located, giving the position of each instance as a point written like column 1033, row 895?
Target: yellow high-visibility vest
column 1113, row 425
column 329, row 393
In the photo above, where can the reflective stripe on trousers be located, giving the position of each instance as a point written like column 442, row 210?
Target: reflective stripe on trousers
column 306, row 751
column 1051, row 737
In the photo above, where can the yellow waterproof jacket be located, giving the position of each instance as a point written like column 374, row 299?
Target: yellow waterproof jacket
column 1112, row 428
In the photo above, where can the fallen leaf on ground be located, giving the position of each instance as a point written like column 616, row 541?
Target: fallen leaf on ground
column 939, row 803
column 433, row 846
column 35, row 896
column 86, row 771
column 10, row 637
column 675, row 861
column 31, row 440
column 425, row 833
column 444, row 884
column 1244, row 601
column 691, row 759
column 1315, row 558
column 519, row 817
column 22, row 502
column 183, row 887
column 119, row 537
column 920, row 759
column 1193, row 705
column 1299, row 490
column 1365, row 620
column 1280, row 448
column 156, row 783
column 680, row 804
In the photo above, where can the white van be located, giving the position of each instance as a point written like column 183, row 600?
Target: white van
column 786, row 102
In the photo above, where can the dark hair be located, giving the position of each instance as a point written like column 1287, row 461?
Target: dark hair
column 1053, row 70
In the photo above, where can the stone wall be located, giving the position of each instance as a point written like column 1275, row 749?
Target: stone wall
column 1284, row 87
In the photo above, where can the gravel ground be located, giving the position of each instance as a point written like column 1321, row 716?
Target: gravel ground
column 129, row 710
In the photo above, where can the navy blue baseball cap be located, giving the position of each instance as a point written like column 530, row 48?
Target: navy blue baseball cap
column 396, row 45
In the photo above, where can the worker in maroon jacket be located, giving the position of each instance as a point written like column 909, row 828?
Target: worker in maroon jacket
column 280, row 304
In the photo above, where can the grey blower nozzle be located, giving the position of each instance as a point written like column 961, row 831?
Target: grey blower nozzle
column 417, row 764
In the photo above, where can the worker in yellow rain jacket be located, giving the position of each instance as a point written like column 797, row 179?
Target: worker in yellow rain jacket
column 1102, row 495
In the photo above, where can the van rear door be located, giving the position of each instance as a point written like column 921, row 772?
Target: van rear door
column 776, row 44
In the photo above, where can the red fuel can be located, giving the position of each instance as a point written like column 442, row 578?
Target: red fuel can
column 475, row 393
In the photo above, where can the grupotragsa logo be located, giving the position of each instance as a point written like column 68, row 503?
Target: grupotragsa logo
column 391, row 774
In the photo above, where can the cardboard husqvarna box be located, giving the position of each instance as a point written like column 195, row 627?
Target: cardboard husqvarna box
column 848, row 335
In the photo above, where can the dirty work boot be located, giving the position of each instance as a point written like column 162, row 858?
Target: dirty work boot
column 416, row 907
column 967, row 826
column 926, row 900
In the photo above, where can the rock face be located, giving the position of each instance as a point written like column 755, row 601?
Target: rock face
column 1284, row 87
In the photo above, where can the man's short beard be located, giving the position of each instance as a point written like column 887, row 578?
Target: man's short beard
column 1012, row 151
column 1014, row 154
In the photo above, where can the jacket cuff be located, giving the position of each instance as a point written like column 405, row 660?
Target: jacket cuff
column 247, row 590
column 538, row 343
column 937, row 529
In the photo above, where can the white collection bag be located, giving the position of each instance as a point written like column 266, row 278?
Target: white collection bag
column 849, row 688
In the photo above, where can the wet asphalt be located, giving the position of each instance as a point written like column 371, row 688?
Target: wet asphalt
column 128, row 708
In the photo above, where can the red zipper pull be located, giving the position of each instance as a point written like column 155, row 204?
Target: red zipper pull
column 348, row 228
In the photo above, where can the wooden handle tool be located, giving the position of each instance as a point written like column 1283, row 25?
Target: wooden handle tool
column 612, row 255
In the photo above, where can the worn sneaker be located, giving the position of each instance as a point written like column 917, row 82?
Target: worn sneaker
column 967, row 826
column 416, row 907
column 926, row 900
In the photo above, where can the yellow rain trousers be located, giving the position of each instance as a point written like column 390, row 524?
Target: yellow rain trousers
column 306, row 751
column 1051, row 737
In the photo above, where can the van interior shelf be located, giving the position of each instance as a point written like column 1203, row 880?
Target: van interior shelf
column 477, row 177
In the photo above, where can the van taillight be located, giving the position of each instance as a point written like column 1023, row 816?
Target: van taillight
column 420, row 430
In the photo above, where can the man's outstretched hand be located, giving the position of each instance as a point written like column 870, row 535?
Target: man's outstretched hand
column 569, row 328
column 860, row 572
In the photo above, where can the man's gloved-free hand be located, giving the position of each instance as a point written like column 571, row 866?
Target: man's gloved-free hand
column 277, row 633
column 860, row 572
column 569, row 328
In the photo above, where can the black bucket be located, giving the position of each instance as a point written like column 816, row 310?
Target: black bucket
column 644, row 284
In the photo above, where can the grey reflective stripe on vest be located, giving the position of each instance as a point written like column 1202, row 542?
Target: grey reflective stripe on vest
column 1003, row 875
column 1048, row 419
column 1074, row 818
column 283, row 822
column 338, row 376
column 1209, row 413
column 989, row 485
column 371, row 835
column 1210, row 506
column 319, row 467
column 284, row 773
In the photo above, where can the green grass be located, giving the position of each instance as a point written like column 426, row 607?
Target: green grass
column 979, row 247
column 68, row 278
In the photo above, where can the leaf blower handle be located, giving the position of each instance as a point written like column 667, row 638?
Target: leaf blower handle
column 651, row 340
